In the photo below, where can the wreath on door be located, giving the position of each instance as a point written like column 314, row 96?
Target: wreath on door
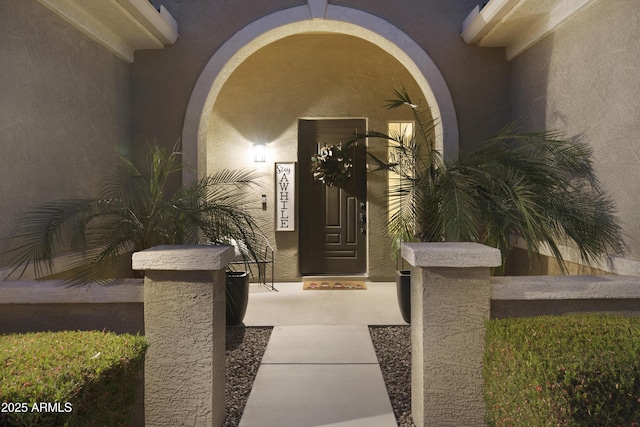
column 332, row 166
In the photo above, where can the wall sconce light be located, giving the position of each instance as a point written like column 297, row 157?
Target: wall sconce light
column 259, row 152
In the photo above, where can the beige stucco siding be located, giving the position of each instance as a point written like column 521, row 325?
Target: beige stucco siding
column 478, row 79
column 584, row 80
column 162, row 81
column 64, row 109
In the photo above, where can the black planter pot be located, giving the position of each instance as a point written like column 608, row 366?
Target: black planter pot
column 237, row 296
column 403, row 286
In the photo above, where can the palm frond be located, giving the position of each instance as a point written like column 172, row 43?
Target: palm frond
column 532, row 185
column 132, row 212
column 46, row 230
column 460, row 208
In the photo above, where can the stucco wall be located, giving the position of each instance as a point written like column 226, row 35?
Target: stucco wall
column 120, row 318
column 63, row 110
column 583, row 80
column 162, row 80
column 477, row 78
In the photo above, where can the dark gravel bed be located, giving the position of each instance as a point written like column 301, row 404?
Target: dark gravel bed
column 244, row 350
column 393, row 348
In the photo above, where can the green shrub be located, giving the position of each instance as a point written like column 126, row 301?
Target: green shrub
column 572, row 370
column 69, row 378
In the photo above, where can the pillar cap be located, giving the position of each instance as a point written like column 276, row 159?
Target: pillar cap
column 184, row 258
column 451, row 254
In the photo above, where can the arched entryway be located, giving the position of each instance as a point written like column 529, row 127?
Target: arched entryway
column 299, row 20
column 218, row 97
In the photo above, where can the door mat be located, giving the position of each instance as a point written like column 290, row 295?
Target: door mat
column 334, row 285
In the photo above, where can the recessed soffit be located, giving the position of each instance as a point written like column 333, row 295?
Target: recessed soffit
column 517, row 24
column 122, row 26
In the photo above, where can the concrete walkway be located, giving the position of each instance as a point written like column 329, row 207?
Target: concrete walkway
column 320, row 368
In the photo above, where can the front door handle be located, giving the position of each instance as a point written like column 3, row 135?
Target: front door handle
column 363, row 218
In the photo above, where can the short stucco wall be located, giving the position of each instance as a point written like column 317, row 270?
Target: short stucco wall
column 32, row 306
column 38, row 306
column 528, row 296
column 115, row 317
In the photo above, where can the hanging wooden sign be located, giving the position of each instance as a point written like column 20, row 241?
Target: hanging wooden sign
column 285, row 196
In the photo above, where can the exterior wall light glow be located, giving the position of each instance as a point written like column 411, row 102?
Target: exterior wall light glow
column 259, row 152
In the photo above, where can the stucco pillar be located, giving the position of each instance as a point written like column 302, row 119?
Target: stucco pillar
column 450, row 301
column 184, row 316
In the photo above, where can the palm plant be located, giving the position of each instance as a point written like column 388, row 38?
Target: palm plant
column 534, row 186
column 133, row 212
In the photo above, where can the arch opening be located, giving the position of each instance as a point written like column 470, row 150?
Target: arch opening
column 299, row 20
column 254, row 89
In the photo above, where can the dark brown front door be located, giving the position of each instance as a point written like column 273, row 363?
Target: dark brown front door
column 332, row 219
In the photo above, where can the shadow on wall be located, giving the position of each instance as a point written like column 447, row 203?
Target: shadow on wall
column 518, row 264
column 530, row 84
